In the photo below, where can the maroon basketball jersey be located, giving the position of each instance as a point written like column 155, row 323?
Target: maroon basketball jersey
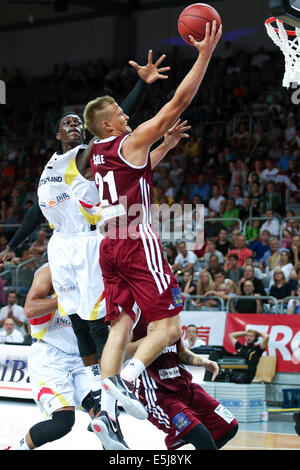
column 166, row 373
column 120, row 182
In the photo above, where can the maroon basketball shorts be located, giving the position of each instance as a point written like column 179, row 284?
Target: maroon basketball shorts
column 135, row 273
column 178, row 413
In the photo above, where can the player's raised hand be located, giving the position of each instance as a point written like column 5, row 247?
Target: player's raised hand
column 151, row 72
column 176, row 133
column 212, row 37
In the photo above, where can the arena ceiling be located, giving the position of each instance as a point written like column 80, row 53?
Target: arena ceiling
column 20, row 14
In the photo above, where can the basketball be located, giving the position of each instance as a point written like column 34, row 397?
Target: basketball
column 192, row 21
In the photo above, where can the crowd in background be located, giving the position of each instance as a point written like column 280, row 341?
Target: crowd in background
column 241, row 161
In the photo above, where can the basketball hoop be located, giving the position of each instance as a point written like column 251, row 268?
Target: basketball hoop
column 288, row 41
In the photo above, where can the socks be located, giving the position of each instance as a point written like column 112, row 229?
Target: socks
column 132, row 370
column 94, row 376
column 108, row 404
column 22, row 445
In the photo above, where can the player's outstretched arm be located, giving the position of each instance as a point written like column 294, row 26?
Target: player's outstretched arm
column 37, row 304
column 148, row 74
column 189, row 358
column 171, row 139
column 135, row 149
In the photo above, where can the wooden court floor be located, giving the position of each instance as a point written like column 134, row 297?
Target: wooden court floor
column 253, row 440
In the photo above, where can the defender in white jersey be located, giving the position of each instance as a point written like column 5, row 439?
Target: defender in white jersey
column 56, row 370
column 71, row 205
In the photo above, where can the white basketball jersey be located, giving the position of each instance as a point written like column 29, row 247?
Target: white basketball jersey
column 55, row 330
column 68, row 201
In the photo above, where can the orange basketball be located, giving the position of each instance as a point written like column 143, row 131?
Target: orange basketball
column 192, row 21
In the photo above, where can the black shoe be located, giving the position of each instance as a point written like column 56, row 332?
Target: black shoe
column 109, row 432
column 124, row 392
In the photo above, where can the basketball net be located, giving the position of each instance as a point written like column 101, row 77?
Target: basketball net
column 289, row 43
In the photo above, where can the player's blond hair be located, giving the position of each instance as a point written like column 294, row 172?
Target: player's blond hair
column 95, row 113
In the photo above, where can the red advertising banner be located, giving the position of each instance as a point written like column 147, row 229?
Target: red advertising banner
column 284, row 332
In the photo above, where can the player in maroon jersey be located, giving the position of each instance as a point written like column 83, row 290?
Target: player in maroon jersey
column 177, row 406
column 134, row 269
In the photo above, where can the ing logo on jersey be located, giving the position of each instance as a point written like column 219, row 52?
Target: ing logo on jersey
column 55, row 201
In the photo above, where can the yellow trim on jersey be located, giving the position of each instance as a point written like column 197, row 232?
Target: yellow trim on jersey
column 71, row 172
column 92, row 219
column 94, row 313
column 61, row 311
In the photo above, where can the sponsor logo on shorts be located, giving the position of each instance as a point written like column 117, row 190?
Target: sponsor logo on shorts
column 180, row 421
column 224, row 413
column 66, row 289
column 177, row 297
column 169, row 373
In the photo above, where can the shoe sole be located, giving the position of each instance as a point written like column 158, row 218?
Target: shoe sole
column 133, row 407
column 100, row 429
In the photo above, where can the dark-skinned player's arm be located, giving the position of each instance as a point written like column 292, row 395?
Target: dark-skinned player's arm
column 135, row 149
column 32, row 220
column 189, row 358
column 37, row 302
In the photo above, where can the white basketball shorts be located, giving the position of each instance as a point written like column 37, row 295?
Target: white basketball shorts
column 58, row 379
column 76, row 274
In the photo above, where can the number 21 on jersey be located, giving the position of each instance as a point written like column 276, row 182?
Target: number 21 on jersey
column 110, row 180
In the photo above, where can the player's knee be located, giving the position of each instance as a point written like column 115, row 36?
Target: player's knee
column 227, row 437
column 174, row 333
column 55, row 428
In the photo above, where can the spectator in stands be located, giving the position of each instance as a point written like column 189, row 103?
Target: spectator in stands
column 2, row 292
column 284, row 264
column 235, row 272
column 249, row 261
column 242, row 251
column 14, row 311
column 251, row 305
column 293, row 306
column 204, row 284
column 171, row 253
column 295, row 249
column 9, row 334
column 219, row 278
column 192, row 341
column 249, row 351
column 210, row 249
column 223, row 245
column 261, row 246
column 216, row 202
column 234, row 238
column 271, row 224
column 280, row 287
column 271, row 257
column 185, row 260
column 230, row 212
column 287, row 156
column 202, row 189
column 39, row 247
column 272, row 199
column 249, row 275
column 247, row 210
column 187, row 285
column 270, row 172
column 290, row 131
column 11, row 219
column 253, row 230
column 212, row 228
column 213, row 265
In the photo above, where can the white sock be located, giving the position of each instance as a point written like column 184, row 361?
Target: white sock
column 22, row 445
column 132, row 370
column 94, row 376
column 108, row 404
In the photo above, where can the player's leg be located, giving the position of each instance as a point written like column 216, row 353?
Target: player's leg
column 166, row 331
column 88, row 352
column 59, row 425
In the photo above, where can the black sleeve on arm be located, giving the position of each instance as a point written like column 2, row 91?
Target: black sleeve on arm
column 133, row 100
column 31, row 221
